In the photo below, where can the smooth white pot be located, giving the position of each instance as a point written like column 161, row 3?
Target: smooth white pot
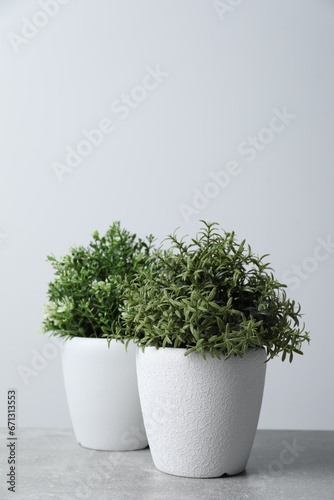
column 102, row 394
column 200, row 415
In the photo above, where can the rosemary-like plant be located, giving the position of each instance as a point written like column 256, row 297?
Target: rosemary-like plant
column 211, row 295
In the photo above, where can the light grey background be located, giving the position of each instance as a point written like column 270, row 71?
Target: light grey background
column 227, row 75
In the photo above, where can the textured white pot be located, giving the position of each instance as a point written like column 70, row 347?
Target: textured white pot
column 102, row 394
column 200, row 415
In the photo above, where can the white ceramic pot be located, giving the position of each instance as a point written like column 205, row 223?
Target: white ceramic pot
column 102, row 394
column 200, row 415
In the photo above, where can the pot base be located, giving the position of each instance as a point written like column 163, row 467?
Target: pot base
column 225, row 474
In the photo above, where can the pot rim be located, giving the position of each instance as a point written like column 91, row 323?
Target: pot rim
column 206, row 351
column 91, row 340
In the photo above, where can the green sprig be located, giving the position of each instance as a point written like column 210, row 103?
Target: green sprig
column 211, row 295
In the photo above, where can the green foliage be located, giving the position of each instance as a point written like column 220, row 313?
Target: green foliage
column 85, row 296
column 211, row 295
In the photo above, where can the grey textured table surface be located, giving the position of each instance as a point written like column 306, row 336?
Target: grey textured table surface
column 296, row 465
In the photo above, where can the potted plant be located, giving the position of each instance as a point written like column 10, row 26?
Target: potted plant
column 207, row 314
column 83, row 307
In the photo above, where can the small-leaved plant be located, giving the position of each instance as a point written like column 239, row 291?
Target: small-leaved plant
column 211, row 295
column 85, row 297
